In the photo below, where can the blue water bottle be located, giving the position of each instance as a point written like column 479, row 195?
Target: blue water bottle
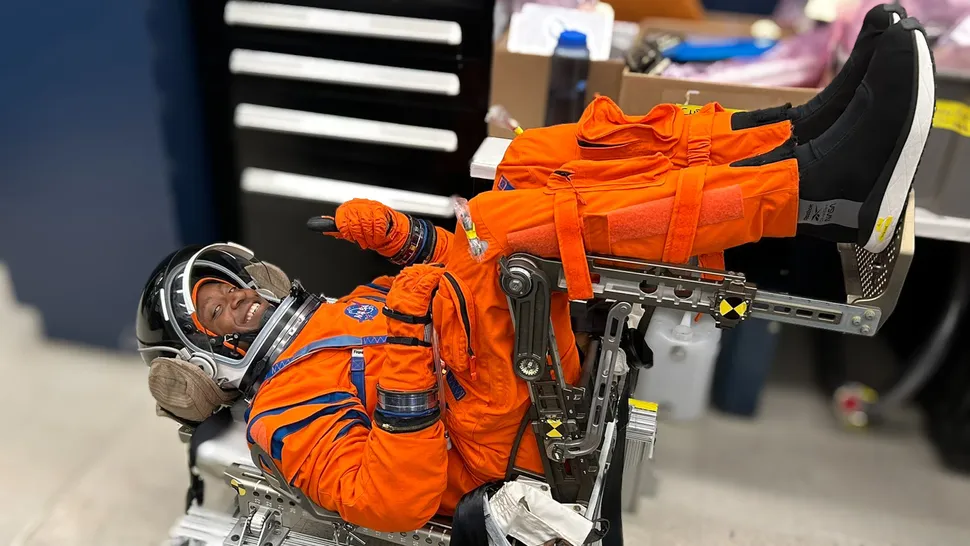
column 567, row 79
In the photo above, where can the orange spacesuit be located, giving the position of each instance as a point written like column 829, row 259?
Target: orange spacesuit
column 613, row 195
column 604, row 132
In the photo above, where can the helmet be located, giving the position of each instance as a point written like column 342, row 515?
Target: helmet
column 167, row 324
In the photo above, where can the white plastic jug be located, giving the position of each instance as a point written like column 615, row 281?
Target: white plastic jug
column 685, row 347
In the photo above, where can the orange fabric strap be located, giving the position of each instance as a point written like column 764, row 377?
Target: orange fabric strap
column 678, row 248
column 714, row 260
column 700, row 128
column 572, row 251
column 683, row 222
column 699, row 153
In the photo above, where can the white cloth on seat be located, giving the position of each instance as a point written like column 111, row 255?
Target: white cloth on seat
column 527, row 513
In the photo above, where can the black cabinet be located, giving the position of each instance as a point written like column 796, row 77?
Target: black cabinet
column 326, row 100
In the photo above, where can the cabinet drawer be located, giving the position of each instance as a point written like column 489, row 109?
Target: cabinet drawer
column 412, row 177
column 263, row 131
column 261, row 73
column 445, row 29
column 334, row 192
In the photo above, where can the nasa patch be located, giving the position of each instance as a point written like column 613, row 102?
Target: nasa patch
column 361, row 312
column 504, row 184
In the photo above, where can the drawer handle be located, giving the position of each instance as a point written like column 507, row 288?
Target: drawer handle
column 298, row 67
column 269, row 118
column 326, row 190
column 329, row 21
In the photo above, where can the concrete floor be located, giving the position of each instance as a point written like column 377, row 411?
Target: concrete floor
column 86, row 462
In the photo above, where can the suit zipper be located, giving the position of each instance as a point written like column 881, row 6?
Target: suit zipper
column 466, row 322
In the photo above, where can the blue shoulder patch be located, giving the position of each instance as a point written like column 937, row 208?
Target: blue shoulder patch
column 361, row 312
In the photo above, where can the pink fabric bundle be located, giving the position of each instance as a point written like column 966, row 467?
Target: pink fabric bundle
column 794, row 62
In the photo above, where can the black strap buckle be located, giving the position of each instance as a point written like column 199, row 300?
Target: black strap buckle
column 408, row 341
column 405, row 318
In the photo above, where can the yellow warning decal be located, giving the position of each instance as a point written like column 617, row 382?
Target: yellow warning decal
column 733, row 308
column 238, row 487
column 640, row 404
column 953, row 116
column 555, row 424
column 883, row 225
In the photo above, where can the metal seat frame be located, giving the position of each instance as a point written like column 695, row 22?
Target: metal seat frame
column 575, row 425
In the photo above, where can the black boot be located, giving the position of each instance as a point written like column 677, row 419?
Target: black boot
column 854, row 179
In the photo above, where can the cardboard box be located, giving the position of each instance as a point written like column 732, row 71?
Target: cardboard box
column 635, row 10
column 713, row 24
column 520, row 83
column 640, row 93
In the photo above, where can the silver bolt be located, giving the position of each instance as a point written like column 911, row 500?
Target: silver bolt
column 515, row 285
column 866, row 329
column 870, row 314
column 856, row 320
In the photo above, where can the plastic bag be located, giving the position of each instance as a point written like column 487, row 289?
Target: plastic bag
column 794, row 62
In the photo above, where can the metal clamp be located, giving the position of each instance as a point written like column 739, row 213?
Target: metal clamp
column 263, row 523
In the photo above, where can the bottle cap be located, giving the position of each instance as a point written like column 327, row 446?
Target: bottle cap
column 571, row 38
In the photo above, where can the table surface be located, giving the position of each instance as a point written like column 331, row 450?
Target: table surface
column 928, row 224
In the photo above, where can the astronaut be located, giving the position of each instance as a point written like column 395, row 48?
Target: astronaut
column 345, row 394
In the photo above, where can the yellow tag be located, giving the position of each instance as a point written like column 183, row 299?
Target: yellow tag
column 471, row 233
column 640, row 404
column 518, row 131
column 693, row 108
column 953, row 116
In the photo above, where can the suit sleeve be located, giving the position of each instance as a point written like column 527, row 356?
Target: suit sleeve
column 325, row 444
column 377, row 289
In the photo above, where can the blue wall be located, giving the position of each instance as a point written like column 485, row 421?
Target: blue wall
column 99, row 130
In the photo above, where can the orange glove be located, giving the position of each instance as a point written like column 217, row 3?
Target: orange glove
column 407, row 387
column 401, row 238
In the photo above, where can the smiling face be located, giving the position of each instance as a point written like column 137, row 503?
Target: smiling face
column 224, row 309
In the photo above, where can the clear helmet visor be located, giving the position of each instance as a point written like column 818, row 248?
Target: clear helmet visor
column 228, row 268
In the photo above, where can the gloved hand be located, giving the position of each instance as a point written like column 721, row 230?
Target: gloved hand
column 408, row 374
column 372, row 226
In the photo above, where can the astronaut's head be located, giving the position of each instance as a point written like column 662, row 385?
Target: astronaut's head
column 226, row 309
column 221, row 310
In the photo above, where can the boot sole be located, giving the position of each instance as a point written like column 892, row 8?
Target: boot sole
column 908, row 152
